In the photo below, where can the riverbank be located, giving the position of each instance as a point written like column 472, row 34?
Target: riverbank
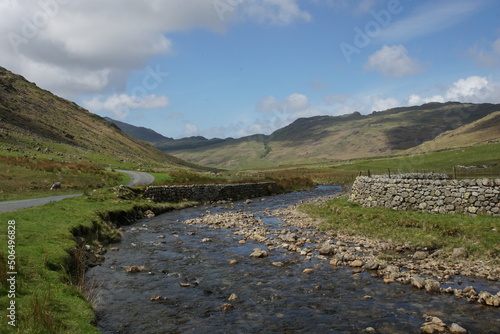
column 442, row 252
column 51, row 248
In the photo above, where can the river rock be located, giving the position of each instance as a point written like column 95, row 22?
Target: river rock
column 418, row 282
column 307, row 271
column 432, row 286
column 259, row 253
column 289, row 237
column 356, row 263
column 226, row 307
column 372, row 265
column 336, row 262
column 149, row 214
column 135, row 269
column 232, row 297
column 487, row 298
column 435, row 325
column 327, row 249
column 457, row 329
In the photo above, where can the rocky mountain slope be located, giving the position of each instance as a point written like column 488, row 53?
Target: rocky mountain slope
column 37, row 123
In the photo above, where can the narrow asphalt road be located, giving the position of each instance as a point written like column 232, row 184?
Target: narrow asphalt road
column 136, row 178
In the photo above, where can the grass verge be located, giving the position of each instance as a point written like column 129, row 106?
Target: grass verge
column 50, row 297
column 479, row 235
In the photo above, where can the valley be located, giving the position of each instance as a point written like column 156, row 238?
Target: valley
column 46, row 139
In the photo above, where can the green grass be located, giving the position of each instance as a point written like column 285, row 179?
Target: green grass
column 345, row 172
column 23, row 178
column 477, row 234
column 440, row 161
column 50, row 296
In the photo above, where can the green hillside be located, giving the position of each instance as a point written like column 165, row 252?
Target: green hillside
column 353, row 136
column 44, row 138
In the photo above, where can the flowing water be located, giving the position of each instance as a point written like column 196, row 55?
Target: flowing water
column 199, row 290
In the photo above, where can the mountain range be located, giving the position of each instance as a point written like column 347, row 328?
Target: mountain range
column 37, row 123
column 405, row 130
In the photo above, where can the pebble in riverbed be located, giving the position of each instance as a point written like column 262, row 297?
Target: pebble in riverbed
column 392, row 262
column 436, row 325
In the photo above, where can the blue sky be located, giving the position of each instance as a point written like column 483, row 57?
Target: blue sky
column 229, row 68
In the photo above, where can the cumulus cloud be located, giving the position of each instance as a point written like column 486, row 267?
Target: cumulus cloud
column 415, row 99
column 291, row 104
column 119, row 105
column 268, row 104
column 380, row 104
column 85, row 47
column 473, row 89
column 279, row 113
column 392, row 62
column 296, row 103
column 190, row 130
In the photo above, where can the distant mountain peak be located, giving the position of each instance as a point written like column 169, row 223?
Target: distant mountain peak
column 139, row 132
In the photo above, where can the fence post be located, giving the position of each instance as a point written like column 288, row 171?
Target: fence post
column 369, row 174
column 389, row 172
column 454, row 172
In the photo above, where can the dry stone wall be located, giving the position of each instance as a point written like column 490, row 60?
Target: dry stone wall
column 210, row 192
column 431, row 193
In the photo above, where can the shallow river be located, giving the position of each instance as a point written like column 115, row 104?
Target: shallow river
column 199, row 289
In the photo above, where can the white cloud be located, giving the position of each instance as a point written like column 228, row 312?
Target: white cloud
column 268, row 104
column 280, row 113
column 84, row 47
column 190, row 130
column 292, row 103
column 380, row 104
column 392, row 62
column 280, row 12
column 119, row 105
column 296, row 103
column 473, row 89
column 429, row 18
column 415, row 99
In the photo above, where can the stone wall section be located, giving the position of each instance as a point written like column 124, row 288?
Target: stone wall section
column 210, row 192
column 428, row 194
